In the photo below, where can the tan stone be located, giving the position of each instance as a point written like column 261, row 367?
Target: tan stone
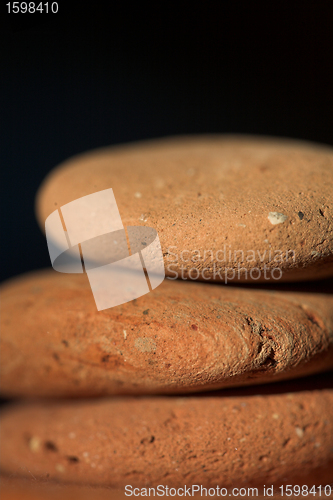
column 19, row 488
column 181, row 337
column 222, row 205
column 243, row 438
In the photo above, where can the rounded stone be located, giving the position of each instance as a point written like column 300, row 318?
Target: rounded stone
column 278, row 435
column 181, row 337
column 225, row 207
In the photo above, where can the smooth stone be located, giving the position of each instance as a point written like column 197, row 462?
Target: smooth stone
column 15, row 487
column 247, row 438
column 25, row 488
column 181, row 337
column 225, row 207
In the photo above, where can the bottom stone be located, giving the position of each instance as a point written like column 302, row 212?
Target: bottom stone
column 280, row 434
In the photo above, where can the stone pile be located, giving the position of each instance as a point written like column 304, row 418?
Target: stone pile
column 217, row 378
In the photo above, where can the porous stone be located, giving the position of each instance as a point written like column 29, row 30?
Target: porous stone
column 181, row 337
column 281, row 434
column 225, row 207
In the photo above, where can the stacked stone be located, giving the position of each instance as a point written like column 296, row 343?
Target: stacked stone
column 166, row 389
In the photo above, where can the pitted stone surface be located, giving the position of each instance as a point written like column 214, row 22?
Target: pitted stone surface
column 282, row 434
column 222, row 205
column 181, row 337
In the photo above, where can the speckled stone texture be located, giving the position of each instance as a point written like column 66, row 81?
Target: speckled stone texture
column 223, row 206
column 279, row 434
column 182, row 337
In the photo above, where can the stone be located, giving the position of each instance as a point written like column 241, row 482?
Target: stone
column 181, row 337
column 25, row 488
column 278, row 434
column 226, row 208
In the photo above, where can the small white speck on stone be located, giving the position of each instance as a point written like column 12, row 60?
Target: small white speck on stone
column 275, row 416
column 143, row 218
column 125, row 334
column 266, row 241
column 276, row 218
column 138, row 195
column 85, row 454
column 72, row 435
column 241, row 225
column 314, row 253
column 34, row 444
column 115, row 242
column 60, row 468
column 299, row 431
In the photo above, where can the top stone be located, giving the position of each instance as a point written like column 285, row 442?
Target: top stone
column 224, row 207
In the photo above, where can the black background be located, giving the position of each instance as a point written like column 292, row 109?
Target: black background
column 102, row 74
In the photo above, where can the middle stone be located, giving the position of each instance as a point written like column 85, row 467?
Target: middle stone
column 181, row 337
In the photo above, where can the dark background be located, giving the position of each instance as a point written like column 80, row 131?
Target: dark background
column 105, row 74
